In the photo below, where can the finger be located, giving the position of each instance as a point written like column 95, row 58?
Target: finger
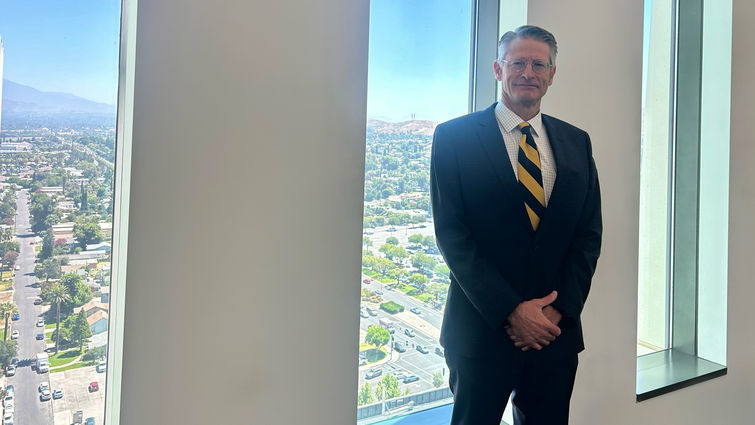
column 546, row 300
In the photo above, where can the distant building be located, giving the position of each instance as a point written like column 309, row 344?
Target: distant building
column 52, row 190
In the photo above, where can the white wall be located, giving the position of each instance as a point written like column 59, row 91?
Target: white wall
column 607, row 104
column 245, row 216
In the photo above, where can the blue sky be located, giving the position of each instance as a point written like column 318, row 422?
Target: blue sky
column 68, row 46
column 418, row 59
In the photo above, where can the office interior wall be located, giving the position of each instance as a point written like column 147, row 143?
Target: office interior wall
column 242, row 301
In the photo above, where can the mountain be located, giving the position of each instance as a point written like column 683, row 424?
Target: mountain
column 25, row 99
column 421, row 127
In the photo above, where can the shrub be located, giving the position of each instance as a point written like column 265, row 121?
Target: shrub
column 392, row 307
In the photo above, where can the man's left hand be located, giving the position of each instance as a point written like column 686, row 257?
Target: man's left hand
column 550, row 312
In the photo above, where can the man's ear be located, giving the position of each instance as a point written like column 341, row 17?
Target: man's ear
column 497, row 70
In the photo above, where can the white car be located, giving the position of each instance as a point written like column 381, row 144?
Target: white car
column 8, row 400
column 40, row 323
column 14, row 335
column 44, row 386
column 45, row 395
column 10, row 370
column 8, row 418
column 101, row 366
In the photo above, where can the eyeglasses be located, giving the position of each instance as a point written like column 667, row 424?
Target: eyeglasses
column 519, row 65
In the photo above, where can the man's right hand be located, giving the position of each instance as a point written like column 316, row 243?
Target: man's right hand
column 529, row 327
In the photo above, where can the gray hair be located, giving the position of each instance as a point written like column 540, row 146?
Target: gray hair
column 531, row 32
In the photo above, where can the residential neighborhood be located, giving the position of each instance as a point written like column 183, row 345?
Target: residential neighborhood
column 55, row 256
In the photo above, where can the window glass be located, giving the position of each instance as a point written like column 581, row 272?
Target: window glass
column 59, row 68
column 418, row 77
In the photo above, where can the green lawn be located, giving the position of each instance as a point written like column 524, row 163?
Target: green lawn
column 372, row 354
column 73, row 366
column 6, row 285
column 64, row 357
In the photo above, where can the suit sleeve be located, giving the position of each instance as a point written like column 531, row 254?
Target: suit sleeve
column 478, row 278
column 575, row 275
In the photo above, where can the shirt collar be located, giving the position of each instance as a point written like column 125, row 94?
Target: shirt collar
column 510, row 121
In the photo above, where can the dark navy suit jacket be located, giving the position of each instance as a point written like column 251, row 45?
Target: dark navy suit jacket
column 482, row 229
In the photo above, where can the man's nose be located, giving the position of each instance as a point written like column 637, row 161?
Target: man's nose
column 528, row 73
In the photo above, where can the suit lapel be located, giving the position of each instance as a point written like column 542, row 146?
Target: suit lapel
column 490, row 137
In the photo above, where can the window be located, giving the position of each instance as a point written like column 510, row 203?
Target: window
column 62, row 159
column 429, row 61
column 684, row 195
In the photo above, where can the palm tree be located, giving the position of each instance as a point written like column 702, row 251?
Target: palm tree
column 56, row 294
column 6, row 309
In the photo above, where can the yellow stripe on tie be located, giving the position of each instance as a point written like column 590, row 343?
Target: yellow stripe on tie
column 532, row 185
column 530, row 152
column 534, row 218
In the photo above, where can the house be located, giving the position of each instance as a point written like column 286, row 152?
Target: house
column 92, row 307
column 98, row 322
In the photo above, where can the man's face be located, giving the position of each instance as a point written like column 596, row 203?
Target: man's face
column 525, row 88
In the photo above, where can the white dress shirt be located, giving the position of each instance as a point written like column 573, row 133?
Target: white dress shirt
column 508, row 123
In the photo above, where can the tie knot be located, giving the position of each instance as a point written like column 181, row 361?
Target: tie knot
column 525, row 128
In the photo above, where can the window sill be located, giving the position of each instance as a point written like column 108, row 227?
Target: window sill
column 669, row 370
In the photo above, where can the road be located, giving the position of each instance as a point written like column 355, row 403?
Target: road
column 29, row 409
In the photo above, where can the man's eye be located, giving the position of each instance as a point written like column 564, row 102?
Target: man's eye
column 538, row 66
column 517, row 64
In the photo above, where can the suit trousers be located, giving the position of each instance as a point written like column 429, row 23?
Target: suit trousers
column 540, row 382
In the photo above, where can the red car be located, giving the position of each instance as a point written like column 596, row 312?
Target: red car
column 367, row 280
column 94, row 386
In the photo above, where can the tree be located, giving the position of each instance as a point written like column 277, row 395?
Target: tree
column 429, row 241
column 78, row 291
column 416, row 239
column 43, row 212
column 423, row 261
column 377, row 336
column 384, row 265
column 79, row 328
column 365, row 395
column 366, row 242
column 437, row 379
column 389, row 385
column 437, row 290
column 9, row 246
column 55, row 294
column 418, row 280
column 87, row 231
column 10, row 258
column 8, row 350
column 48, row 269
column 397, row 274
column 48, row 243
column 6, row 309
column 442, row 270
column 84, row 202
column 391, row 240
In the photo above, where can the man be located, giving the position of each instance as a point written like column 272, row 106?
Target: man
column 516, row 203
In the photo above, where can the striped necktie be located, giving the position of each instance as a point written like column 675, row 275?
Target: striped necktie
column 530, row 176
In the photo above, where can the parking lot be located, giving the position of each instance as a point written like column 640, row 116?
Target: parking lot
column 76, row 395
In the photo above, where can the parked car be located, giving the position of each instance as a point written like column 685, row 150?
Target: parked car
column 89, row 421
column 57, row 393
column 415, row 310
column 16, row 316
column 399, row 347
column 14, row 334
column 422, row 349
column 40, row 336
column 410, row 378
column 9, row 389
column 94, row 386
column 378, row 292
column 363, row 314
column 101, row 366
column 409, row 332
column 8, row 400
column 37, row 301
column 439, row 351
column 14, row 361
column 371, row 312
column 373, row 373
column 8, row 418
column 40, row 323
column 362, row 361
column 44, row 395
column 43, row 386
column 367, row 280
column 10, row 370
